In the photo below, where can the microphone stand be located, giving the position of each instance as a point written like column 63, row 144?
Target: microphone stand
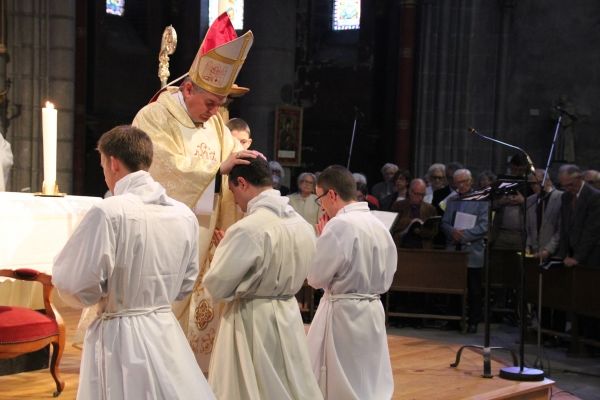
column 486, row 349
column 520, row 373
column 352, row 138
column 541, row 197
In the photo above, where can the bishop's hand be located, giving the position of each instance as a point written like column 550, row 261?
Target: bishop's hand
column 237, row 158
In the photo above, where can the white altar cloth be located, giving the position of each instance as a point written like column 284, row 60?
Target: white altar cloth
column 33, row 230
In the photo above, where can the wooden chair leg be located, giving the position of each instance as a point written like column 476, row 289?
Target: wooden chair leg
column 57, row 351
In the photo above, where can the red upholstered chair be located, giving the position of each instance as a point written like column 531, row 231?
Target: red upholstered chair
column 23, row 330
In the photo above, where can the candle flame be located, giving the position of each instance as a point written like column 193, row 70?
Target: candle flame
column 49, row 105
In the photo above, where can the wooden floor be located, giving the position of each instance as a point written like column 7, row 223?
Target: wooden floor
column 421, row 371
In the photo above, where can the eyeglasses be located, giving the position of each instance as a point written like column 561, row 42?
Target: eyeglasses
column 438, row 178
column 318, row 199
column 307, row 181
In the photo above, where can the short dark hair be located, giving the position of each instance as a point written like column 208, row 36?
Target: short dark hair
column 404, row 173
column 131, row 145
column 518, row 160
column 453, row 166
column 487, row 174
column 257, row 173
column 339, row 179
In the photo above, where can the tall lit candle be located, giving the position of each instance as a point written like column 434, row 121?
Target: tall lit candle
column 49, row 122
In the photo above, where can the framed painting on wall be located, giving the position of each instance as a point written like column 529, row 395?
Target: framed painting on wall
column 288, row 135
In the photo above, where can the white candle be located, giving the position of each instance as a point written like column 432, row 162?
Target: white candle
column 49, row 119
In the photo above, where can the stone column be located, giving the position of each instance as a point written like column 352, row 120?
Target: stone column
column 404, row 101
column 40, row 39
column 269, row 67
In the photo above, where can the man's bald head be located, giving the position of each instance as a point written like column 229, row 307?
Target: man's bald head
column 416, row 191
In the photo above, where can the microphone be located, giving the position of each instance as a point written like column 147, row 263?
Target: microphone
column 568, row 114
column 531, row 167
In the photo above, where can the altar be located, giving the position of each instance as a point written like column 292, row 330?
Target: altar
column 33, row 229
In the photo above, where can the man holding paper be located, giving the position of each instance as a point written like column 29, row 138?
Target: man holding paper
column 465, row 224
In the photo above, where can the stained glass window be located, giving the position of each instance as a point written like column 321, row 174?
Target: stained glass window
column 235, row 9
column 346, row 15
column 115, row 7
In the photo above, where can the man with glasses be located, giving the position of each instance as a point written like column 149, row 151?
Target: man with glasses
column 440, row 195
column 465, row 224
column 436, row 179
column 354, row 263
column 303, row 200
column 580, row 219
column 410, row 210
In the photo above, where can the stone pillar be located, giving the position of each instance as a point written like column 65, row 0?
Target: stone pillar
column 40, row 40
column 404, row 109
column 503, row 70
column 268, row 68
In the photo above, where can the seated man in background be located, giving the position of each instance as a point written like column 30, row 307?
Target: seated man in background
column 133, row 254
column 465, row 224
column 260, row 351
column 408, row 211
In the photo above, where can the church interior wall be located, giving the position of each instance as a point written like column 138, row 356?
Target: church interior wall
column 498, row 66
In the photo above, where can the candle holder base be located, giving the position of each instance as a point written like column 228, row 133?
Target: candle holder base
column 47, row 193
column 40, row 194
